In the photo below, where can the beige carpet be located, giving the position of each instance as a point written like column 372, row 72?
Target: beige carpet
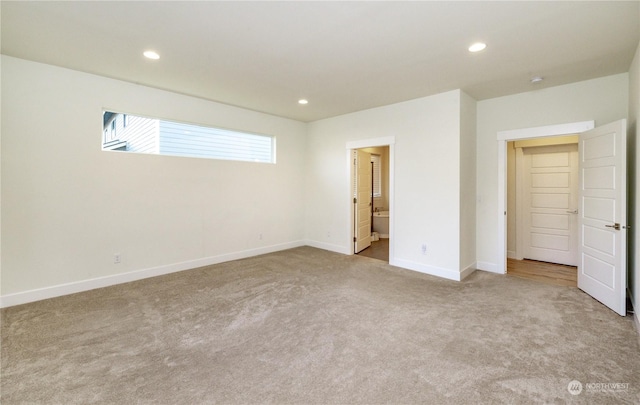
column 313, row 327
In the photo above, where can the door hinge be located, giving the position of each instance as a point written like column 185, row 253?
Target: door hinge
column 355, row 200
column 354, row 239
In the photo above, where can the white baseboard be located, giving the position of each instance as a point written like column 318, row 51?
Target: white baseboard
column 431, row 270
column 488, row 266
column 467, row 271
column 511, row 254
column 106, row 281
column 328, row 246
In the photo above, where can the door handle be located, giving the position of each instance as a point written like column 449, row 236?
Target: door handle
column 615, row 226
column 572, row 212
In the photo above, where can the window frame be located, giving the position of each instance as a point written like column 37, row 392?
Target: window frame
column 377, row 171
column 246, row 142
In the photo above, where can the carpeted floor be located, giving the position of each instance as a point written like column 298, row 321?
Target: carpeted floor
column 312, row 327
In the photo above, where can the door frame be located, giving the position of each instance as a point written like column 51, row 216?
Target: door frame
column 371, row 143
column 514, row 135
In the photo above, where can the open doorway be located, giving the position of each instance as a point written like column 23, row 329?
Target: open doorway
column 602, row 211
column 371, row 202
column 380, row 206
column 542, row 207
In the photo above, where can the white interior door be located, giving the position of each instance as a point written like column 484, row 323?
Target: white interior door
column 362, row 170
column 602, row 267
column 550, row 204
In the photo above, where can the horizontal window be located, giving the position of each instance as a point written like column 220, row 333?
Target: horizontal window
column 130, row 133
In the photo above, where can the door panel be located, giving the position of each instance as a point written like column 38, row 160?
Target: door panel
column 551, row 180
column 362, row 162
column 550, row 221
column 599, row 240
column 600, row 271
column 550, row 200
column 541, row 200
column 599, row 208
column 600, row 178
column 602, row 268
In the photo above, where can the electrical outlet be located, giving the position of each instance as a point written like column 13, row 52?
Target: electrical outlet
column 117, row 258
column 424, row 248
column 260, row 237
column 328, row 234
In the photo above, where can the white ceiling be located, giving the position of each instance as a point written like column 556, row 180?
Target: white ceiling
column 341, row 56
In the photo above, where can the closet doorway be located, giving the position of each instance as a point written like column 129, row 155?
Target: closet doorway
column 542, row 221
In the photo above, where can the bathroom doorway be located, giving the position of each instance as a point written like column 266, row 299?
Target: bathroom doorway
column 371, row 211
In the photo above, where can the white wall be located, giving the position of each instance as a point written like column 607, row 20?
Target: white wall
column 67, row 206
column 467, row 182
column 634, row 181
column 426, row 201
column 603, row 100
column 0, row 164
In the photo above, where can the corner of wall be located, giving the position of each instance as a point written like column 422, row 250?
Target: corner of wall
column 467, row 184
column 633, row 148
column 1, row 57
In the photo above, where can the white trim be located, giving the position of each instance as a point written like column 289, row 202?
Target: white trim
column 467, row 271
column 486, row 266
column 519, row 218
column 502, row 208
column 106, row 281
column 328, row 246
column 545, row 131
column 371, row 143
column 512, row 135
column 431, row 270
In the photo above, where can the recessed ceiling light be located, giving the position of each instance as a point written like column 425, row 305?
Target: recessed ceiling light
column 303, row 101
column 151, row 55
column 536, row 79
column 477, row 47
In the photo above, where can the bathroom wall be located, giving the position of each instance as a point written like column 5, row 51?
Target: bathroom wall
column 382, row 202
